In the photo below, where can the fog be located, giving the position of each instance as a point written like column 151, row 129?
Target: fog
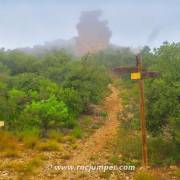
column 130, row 23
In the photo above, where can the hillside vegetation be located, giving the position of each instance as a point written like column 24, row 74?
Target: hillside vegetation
column 51, row 99
column 49, row 92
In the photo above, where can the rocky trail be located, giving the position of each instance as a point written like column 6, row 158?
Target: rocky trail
column 93, row 148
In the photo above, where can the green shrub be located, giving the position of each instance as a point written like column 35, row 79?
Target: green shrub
column 46, row 114
column 77, row 132
column 162, row 152
column 103, row 114
column 49, row 91
column 87, row 121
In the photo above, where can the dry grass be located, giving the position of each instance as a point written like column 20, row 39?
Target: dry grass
column 23, row 169
column 7, row 141
column 49, row 145
column 11, row 153
column 30, row 141
column 28, row 168
column 144, row 176
column 53, row 134
column 68, row 138
column 177, row 173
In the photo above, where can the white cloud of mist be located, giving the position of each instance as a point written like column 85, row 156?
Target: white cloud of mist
column 26, row 23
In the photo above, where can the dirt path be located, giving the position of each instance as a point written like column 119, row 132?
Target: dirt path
column 95, row 144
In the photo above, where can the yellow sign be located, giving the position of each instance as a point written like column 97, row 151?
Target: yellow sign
column 136, row 76
column 1, row 123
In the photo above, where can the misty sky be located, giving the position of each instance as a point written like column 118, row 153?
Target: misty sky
column 132, row 22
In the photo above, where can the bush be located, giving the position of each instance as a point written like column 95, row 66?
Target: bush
column 87, row 121
column 163, row 102
column 46, row 114
column 49, row 91
column 103, row 114
column 77, row 132
column 161, row 152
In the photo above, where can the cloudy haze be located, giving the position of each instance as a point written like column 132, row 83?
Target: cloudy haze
column 132, row 22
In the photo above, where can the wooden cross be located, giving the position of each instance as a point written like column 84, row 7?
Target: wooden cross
column 137, row 73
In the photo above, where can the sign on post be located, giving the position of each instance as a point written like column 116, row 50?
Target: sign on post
column 1, row 123
column 136, row 76
column 138, row 73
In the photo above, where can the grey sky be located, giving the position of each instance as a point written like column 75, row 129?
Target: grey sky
column 132, row 22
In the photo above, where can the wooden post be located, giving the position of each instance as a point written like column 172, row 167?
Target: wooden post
column 142, row 112
column 137, row 73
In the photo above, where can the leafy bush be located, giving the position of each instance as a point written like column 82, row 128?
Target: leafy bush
column 46, row 114
column 161, row 151
column 48, row 91
column 163, row 100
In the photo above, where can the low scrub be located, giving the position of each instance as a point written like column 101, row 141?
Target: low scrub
column 69, row 139
column 144, row 176
column 11, row 153
column 77, row 132
column 7, row 141
column 162, row 152
column 49, row 145
column 29, row 137
column 177, row 173
column 53, row 134
column 129, row 145
column 29, row 168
